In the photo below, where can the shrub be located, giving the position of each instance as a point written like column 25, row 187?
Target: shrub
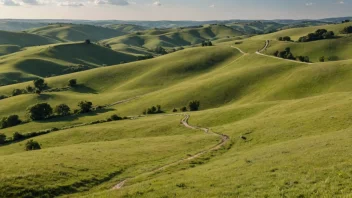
column 72, row 82
column 29, row 89
column 174, row 110
column 115, row 117
column 160, row 50
column 3, row 97
column 207, row 43
column 87, row 41
column 32, row 145
column 17, row 136
column 85, row 106
column 285, row 38
column 10, row 121
column 2, row 138
column 194, row 105
column 317, row 35
column 347, row 30
column 17, row 92
column 153, row 110
column 37, row 91
column 62, row 110
column 40, row 111
column 40, row 84
column 303, row 58
column 322, row 59
column 183, row 109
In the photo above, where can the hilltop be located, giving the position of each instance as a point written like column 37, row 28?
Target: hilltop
column 23, row 39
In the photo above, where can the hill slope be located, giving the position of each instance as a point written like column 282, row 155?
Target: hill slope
column 23, row 39
column 72, row 32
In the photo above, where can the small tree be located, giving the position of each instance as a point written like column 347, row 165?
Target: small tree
column 115, row 117
column 174, row 110
column 87, row 41
column 194, row 105
column 29, row 89
column 183, row 109
column 17, row 136
column 40, row 84
column 62, row 110
column 10, row 121
column 347, row 30
column 17, row 92
column 2, row 138
column 32, row 145
column 85, row 106
column 72, row 82
column 322, row 59
column 40, row 111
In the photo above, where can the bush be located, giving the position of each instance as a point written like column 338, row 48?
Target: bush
column 40, row 84
column 286, row 54
column 17, row 136
column 40, row 111
column 2, row 138
column 10, row 121
column 322, row 59
column 194, row 105
column 160, row 50
column 72, row 82
column 285, row 38
column 317, row 35
column 30, row 89
column 17, row 92
column 183, row 109
column 174, row 110
column 32, row 145
column 115, row 117
column 3, row 97
column 207, row 43
column 62, row 110
column 303, row 58
column 347, row 30
column 85, row 106
column 87, row 41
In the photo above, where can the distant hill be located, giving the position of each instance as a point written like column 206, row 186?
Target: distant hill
column 57, row 59
column 126, row 28
column 23, row 39
column 172, row 38
column 14, row 25
column 74, row 32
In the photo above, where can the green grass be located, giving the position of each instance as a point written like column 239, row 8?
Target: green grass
column 8, row 49
column 23, row 39
column 126, row 28
column 288, row 123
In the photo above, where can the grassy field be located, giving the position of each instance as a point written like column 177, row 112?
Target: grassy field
column 288, row 124
column 23, row 39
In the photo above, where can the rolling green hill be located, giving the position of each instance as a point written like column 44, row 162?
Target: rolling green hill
column 23, row 39
column 8, row 49
column 49, row 60
column 126, row 28
column 73, row 32
column 171, row 38
column 266, row 127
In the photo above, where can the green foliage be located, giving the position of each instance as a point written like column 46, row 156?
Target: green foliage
column 40, row 84
column 333, row 58
column 183, row 109
column 318, row 35
column 62, row 110
column 32, row 145
column 174, row 110
column 17, row 136
column 40, row 111
column 286, row 54
column 2, row 138
column 17, row 92
column 153, row 110
column 347, row 30
column 30, row 89
column 160, row 50
column 207, row 43
column 322, row 59
column 87, row 41
column 72, row 82
column 115, row 117
column 303, row 58
column 285, row 38
column 85, row 106
column 10, row 121
column 194, row 105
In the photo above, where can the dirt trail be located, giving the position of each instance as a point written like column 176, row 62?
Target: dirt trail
column 239, row 50
column 267, row 42
column 184, row 122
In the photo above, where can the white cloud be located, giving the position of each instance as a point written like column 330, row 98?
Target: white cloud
column 70, row 4
column 341, row 2
column 212, row 6
column 157, row 3
column 9, row 3
column 31, row 2
column 310, row 4
column 112, row 2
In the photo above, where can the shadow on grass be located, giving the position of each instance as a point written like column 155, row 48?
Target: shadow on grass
column 84, row 89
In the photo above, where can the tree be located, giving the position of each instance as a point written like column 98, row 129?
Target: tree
column 183, row 109
column 85, row 106
column 194, row 105
column 276, row 53
column 10, row 121
column 160, row 50
column 72, row 82
column 17, row 92
column 17, row 136
column 40, row 111
column 40, row 84
column 115, row 117
column 62, row 110
column 347, row 30
column 174, row 110
column 87, row 41
column 32, row 145
column 322, row 59
column 29, row 89
column 2, row 138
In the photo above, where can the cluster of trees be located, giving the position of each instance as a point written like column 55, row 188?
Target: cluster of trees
column 12, row 120
column 207, row 43
column 347, row 30
column 330, row 58
column 74, row 69
column 153, row 110
column 160, row 50
column 346, row 21
column 285, row 38
column 145, row 57
column 287, row 54
column 317, row 35
column 29, row 146
column 32, row 145
column 44, row 111
column 192, row 105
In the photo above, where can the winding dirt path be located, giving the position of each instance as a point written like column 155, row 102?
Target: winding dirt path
column 184, row 122
column 267, row 42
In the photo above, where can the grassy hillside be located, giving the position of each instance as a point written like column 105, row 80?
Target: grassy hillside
column 126, row 28
column 49, row 60
column 73, row 32
column 172, row 38
column 288, row 124
column 8, row 49
column 23, row 39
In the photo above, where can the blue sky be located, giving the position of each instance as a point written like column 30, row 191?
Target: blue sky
column 174, row 9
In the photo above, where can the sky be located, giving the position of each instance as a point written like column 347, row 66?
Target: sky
column 198, row 10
